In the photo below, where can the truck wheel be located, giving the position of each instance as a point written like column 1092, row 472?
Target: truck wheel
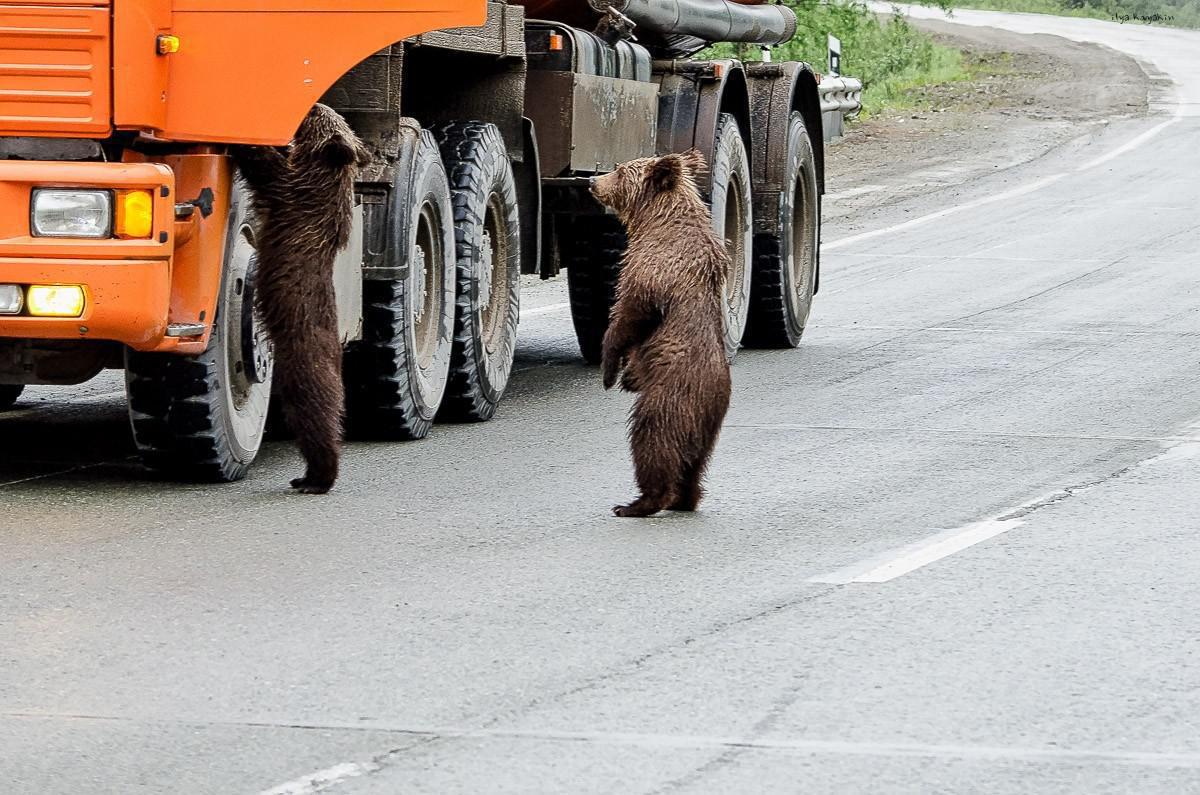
column 202, row 417
column 732, row 220
column 396, row 374
column 9, row 394
column 487, row 233
column 592, row 248
column 785, row 259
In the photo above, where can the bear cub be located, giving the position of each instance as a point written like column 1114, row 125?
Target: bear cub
column 302, row 196
column 665, row 337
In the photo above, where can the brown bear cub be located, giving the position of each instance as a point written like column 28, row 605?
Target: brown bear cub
column 665, row 337
column 303, row 200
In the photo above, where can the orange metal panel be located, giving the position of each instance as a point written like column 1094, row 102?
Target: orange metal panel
column 126, row 299
column 18, row 178
column 196, row 271
column 127, row 282
column 249, row 71
column 139, row 72
column 54, row 70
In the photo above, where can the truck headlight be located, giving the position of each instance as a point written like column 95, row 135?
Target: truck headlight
column 12, row 298
column 55, row 300
column 60, row 212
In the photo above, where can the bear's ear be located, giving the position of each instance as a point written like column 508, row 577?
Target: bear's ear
column 338, row 152
column 664, row 173
column 693, row 160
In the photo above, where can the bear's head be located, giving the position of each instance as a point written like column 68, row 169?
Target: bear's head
column 326, row 141
column 639, row 183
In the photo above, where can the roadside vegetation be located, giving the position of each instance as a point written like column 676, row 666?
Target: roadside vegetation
column 891, row 57
column 1176, row 13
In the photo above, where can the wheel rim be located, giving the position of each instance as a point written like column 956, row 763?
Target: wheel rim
column 494, row 289
column 249, row 354
column 427, row 259
column 799, row 253
column 735, row 244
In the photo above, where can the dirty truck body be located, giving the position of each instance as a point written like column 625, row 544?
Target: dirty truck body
column 126, row 240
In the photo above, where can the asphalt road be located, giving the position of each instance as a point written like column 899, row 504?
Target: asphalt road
column 949, row 545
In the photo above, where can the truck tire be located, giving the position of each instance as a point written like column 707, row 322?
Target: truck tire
column 732, row 214
column 785, row 259
column 201, row 418
column 9, row 394
column 487, row 233
column 592, row 248
column 396, row 374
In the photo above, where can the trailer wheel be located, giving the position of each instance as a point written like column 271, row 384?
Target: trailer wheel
column 592, row 248
column 785, row 259
column 487, row 231
column 9, row 394
column 732, row 214
column 202, row 417
column 396, row 374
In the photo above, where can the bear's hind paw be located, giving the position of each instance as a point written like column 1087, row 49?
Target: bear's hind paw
column 309, row 486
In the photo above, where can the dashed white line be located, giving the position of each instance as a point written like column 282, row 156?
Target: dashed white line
column 924, row 219
column 321, row 779
column 899, row 562
column 545, row 310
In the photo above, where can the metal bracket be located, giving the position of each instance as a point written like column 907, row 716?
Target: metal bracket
column 615, row 26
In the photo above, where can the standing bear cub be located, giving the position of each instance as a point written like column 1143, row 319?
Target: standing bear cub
column 665, row 337
column 303, row 199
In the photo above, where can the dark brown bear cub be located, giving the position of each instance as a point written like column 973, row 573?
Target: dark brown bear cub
column 665, row 336
column 303, row 199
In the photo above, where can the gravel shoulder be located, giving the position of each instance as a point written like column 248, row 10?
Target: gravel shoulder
column 1025, row 96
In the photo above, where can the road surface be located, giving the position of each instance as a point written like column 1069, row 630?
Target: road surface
column 950, row 544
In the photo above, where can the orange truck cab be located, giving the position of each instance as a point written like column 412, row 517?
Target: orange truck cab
column 125, row 239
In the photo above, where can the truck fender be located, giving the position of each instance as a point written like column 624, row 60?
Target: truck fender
column 692, row 97
column 776, row 91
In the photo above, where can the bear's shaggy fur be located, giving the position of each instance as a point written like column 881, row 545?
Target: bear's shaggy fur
column 665, row 337
column 303, row 199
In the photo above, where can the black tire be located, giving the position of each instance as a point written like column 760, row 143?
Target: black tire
column 487, row 233
column 9, row 394
column 785, row 259
column 201, row 418
column 396, row 374
column 733, row 217
column 592, row 248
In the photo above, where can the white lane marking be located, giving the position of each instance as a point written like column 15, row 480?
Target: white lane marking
column 994, row 753
column 1052, row 437
column 1124, row 148
column 1130, row 145
column 321, row 779
column 992, row 330
column 899, row 562
column 924, row 219
column 545, row 310
column 909, row 558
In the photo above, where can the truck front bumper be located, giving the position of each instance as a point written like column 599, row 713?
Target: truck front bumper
column 126, row 283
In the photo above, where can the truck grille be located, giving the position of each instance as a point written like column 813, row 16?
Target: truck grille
column 54, row 70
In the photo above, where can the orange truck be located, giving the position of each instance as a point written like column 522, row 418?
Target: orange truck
column 126, row 240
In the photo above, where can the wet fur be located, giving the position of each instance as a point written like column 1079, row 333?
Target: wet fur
column 303, row 200
column 665, row 339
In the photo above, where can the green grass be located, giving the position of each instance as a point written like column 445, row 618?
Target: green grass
column 1176, row 13
column 890, row 57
